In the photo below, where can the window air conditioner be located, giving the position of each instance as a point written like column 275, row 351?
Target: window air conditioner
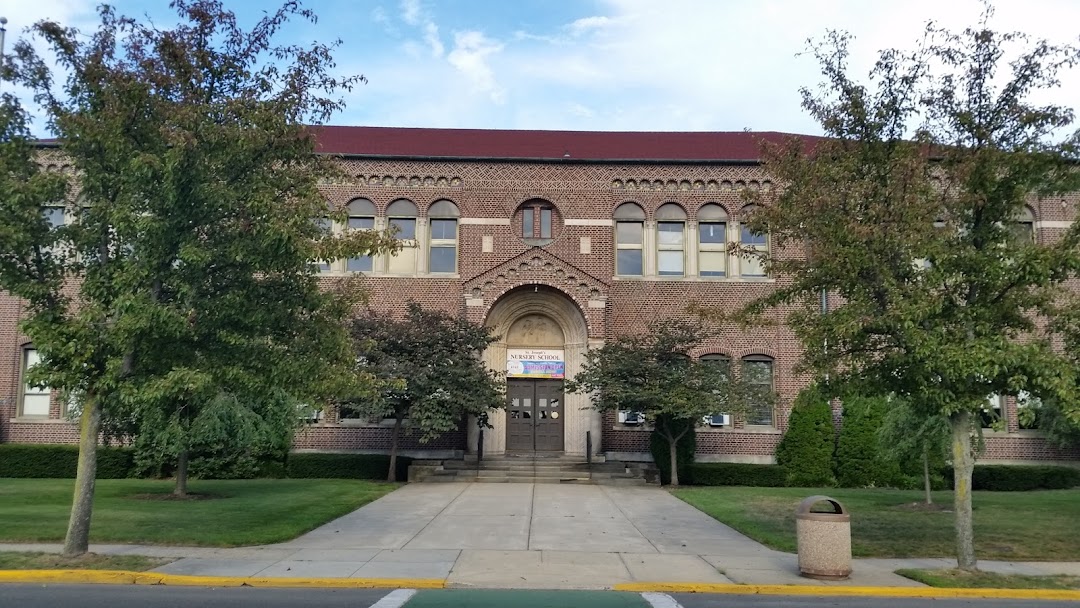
column 718, row 420
column 628, row 417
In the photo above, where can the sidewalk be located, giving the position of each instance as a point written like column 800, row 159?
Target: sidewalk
column 529, row 536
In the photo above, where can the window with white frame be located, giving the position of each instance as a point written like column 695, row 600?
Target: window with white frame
column 34, row 399
column 670, row 240
column 629, row 240
column 361, row 217
column 758, row 370
column 724, row 363
column 443, row 237
column 712, row 241
column 401, row 217
column 751, row 265
column 990, row 413
column 325, row 228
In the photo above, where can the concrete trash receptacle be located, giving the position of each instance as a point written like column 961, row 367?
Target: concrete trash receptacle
column 824, row 540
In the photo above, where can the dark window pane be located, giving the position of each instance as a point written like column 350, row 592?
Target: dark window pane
column 406, row 227
column 444, row 229
column 322, row 266
column 527, row 223
column 361, row 223
column 628, row 262
column 324, row 224
column 545, row 223
column 442, row 259
column 751, row 238
column 712, row 232
column 360, row 264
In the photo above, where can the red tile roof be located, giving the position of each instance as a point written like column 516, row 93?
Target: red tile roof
column 573, row 145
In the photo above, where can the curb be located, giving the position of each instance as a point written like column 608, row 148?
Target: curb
column 819, row 590
column 124, row 577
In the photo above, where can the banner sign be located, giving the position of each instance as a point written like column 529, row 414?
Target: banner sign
column 534, row 363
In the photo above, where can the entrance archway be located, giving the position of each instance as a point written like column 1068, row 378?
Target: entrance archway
column 542, row 340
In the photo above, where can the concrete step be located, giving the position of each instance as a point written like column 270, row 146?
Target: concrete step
column 483, row 479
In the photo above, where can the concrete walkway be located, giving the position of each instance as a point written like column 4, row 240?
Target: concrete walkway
column 528, row 536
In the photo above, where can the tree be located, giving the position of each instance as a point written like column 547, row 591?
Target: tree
column 939, row 288
column 429, row 369
column 806, row 449
column 908, row 435
column 188, row 276
column 653, row 373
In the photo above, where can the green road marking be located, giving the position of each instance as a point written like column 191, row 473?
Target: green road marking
column 504, row 598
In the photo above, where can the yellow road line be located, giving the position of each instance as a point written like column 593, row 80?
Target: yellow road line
column 123, row 577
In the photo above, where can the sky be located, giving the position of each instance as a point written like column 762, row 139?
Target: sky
column 600, row 65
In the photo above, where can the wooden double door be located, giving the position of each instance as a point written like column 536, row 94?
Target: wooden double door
column 534, row 415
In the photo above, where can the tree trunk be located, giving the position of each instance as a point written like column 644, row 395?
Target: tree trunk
column 392, row 475
column 963, row 466
column 672, row 443
column 926, row 476
column 77, row 541
column 181, row 474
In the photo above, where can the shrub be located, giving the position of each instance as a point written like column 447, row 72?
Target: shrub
column 737, row 474
column 684, row 450
column 860, row 462
column 806, row 450
column 1021, row 478
column 61, row 461
column 319, row 465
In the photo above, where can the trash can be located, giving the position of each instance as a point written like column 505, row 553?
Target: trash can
column 824, row 540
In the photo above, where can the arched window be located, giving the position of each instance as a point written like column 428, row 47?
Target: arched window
column 757, row 371
column 442, row 249
column 34, row 402
column 751, row 266
column 712, row 241
column 629, row 239
column 361, row 217
column 1024, row 228
column 401, row 216
column 670, row 240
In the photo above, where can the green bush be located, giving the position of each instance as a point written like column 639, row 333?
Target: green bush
column 319, row 465
column 1020, row 478
column 684, row 450
column 737, row 474
column 806, row 449
column 859, row 460
column 61, row 461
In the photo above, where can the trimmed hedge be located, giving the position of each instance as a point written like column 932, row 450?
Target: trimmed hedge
column 806, row 450
column 61, row 461
column 1020, row 478
column 859, row 461
column 318, row 465
column 737, row 474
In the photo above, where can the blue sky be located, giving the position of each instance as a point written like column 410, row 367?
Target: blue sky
column 641, row 65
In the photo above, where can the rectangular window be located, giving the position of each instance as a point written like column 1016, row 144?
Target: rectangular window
column 527, row 224
column 406, row 228
column 712, row 249
column 752, row 266
column 545, row 223
column 404, row 261
column 35, row 399
column 759, row 372
column 669, row 242
column 990, row 415
column 54, row 215
column 443, row 250
column 628, row 243
column 364, row 262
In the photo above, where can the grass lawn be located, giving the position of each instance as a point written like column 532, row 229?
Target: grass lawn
column 1008, row 525
column 989, row 580
column 236, row 512
column 14, row 560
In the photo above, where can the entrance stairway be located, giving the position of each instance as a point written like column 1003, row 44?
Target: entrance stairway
column 533, row 468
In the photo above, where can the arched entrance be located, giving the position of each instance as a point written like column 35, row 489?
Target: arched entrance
column 543, row 337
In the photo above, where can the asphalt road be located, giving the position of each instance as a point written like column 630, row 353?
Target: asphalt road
column 111, row 596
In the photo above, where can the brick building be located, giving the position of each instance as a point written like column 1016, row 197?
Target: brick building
column 560, row 241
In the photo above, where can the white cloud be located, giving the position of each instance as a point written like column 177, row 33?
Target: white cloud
column 411, row 11
column 470, row 56
column 587, row 24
